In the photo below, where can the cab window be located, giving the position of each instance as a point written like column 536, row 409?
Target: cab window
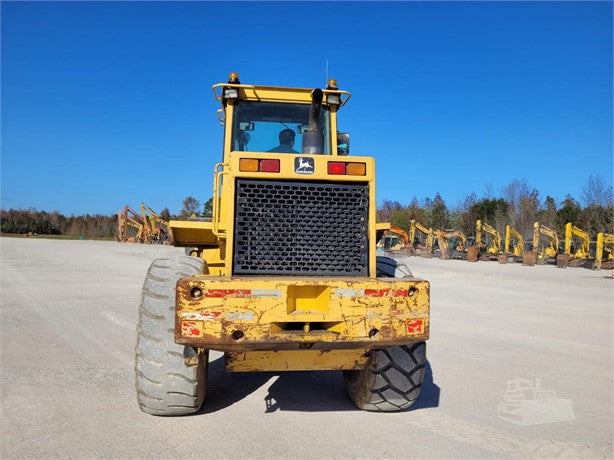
column 274, row 126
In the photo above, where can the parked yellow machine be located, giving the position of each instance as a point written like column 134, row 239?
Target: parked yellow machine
column 130, row 226
column 604, row 250
column 581, row 250
column 285, row 276
column 551, row 248
column 416, row 242
column 394, row 239
column 155, row 227
column 514, row 242
column 481, row 229
column 442, row 243
column 451, row 242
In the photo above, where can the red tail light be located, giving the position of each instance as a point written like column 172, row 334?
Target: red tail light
column 269, row 165
column 336, row 167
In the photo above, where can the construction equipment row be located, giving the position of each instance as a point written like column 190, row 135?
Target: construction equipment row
column 147, row 227
column 543, row 246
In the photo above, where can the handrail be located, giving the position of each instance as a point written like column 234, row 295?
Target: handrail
column 217, row 175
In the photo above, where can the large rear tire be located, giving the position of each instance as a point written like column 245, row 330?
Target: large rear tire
column 170, row 378
column 391, row 381
column 393, row 267
column 392, row 378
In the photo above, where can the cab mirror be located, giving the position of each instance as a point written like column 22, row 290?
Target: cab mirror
column 343, row 144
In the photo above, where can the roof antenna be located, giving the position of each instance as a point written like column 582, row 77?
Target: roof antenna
column 326, row 70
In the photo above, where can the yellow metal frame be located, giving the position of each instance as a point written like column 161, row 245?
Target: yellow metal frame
column 270, row 313
column 296, row 360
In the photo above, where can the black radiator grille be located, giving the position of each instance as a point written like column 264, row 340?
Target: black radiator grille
column 301, row 228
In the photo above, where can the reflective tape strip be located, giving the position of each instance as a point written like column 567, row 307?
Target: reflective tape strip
column 200, row 316
column 349, row 292
column 386, row 292
column 240, row 316
column 268, row 293
column 377, row 292
column 227, row 293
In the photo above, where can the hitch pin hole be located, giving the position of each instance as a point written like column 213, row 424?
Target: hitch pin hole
column 412, row 292
column 237, row 335
column 196, row 293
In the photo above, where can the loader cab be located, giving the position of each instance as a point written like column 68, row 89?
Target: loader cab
column 256, row 126
column 254, row 117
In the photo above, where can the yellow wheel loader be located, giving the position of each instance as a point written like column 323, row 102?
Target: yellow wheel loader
column 285, row 275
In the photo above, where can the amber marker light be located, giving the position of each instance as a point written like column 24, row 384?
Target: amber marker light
column 248, row 165
column 356, row 169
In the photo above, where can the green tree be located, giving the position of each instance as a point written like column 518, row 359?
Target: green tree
column 570, row 211
column 439, row 213
column 548, row 214
column 208, row 208
column 165, row 214
column 190, row 206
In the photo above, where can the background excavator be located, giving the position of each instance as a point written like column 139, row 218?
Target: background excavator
column 155, row 228
column 550, row 248
column 452, row 243
column 481, row 229
column 422, row 246
column 130, row 226
column 604, row 254
column 514, row 242
column 577, row 242
column 394, row 239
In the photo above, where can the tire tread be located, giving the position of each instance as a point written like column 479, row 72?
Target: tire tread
column 165, row 385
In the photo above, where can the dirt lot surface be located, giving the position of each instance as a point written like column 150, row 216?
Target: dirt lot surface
column 68, row 314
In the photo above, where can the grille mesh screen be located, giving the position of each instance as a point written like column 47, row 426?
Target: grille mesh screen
column 301, row 228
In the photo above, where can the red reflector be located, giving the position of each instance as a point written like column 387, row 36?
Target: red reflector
column 191, row 328
column 228, row 292
column 377, row 292
column 335, row 167
column 269, row 165
column 415, row 326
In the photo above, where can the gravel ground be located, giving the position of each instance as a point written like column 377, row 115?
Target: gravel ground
column 68, row 315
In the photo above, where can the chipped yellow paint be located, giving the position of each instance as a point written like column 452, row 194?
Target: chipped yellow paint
column 240, row 321
column 296, row 360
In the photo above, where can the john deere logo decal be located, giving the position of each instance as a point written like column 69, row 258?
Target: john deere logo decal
column 303, row 165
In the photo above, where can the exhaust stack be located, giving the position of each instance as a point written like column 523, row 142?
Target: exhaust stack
column 313, row 140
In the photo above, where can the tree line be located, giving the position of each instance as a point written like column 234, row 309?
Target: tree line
column 31, row 221
column 25, row 221
column 518, row 205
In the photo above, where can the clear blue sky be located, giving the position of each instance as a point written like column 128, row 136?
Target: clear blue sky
column 105, row 104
